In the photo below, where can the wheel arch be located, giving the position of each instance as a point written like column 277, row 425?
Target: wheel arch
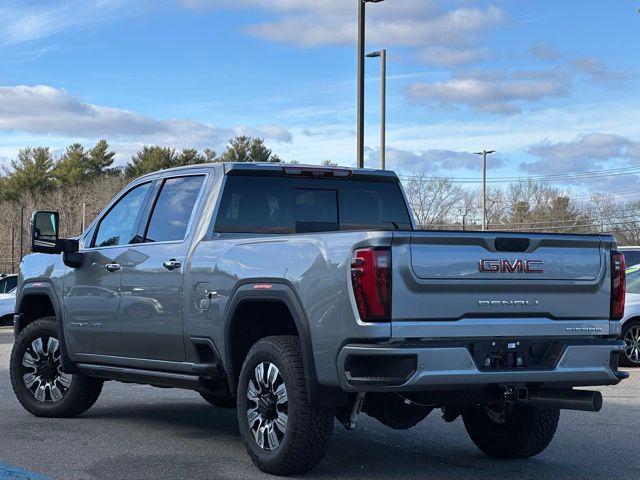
column 38, row 299
column 270, row 297
column 628, row 321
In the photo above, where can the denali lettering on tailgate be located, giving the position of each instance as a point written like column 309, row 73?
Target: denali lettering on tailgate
column 508, row 266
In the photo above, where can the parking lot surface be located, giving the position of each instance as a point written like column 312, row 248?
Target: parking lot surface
column 139, row 432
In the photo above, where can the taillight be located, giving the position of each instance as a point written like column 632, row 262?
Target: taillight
column 371, row 278
column 618, row 285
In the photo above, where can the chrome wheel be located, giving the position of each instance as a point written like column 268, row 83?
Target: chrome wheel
column 42, row 373
column 632, row 347
column 267, row 408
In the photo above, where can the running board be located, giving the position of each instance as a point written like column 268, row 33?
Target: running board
column 146, row 377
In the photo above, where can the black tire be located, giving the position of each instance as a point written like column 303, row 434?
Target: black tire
column 631, row 333
column 523, row 432
column 220, row 402
column 307, row 430
column 81, row 393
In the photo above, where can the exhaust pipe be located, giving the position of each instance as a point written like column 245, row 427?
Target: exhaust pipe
column 582, row 400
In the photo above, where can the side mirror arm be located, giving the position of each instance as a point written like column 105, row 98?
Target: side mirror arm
column 71, row 256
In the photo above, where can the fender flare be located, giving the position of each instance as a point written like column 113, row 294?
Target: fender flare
column 280, row 291
column 43, row 288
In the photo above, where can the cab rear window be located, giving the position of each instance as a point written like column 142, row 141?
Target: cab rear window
column 293, row 205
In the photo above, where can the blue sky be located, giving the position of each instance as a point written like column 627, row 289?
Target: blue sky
column 553, row 86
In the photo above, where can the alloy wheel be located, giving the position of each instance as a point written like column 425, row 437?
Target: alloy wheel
column 267, row 408
column 42, row 370
column 632, row 347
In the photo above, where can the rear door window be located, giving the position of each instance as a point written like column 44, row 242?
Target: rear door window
column 173, row 209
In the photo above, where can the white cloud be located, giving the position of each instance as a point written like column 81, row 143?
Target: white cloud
column 448, row 57
column 587, row 152
column 47, row 110
column 490, row 93
column 424, row 25
column 406, row 23
column 433, row 161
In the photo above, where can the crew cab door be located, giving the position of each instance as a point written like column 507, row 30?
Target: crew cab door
column 151, row 304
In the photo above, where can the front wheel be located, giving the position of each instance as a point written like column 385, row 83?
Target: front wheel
column 283, row 434
column 511, row 431
column 38, row 380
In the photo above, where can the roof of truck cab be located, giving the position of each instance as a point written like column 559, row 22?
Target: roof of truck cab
column 240, row 168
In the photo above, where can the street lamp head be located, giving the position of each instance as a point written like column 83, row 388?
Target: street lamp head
column 373, row 1
column 374, row 54
column 485, row 152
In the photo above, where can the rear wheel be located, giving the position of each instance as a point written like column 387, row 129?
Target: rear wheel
column 631, row 337
column 283, row 434
column 511, row 431
column 38, row 380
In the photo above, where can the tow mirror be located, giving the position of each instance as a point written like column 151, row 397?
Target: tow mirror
column 45, row 229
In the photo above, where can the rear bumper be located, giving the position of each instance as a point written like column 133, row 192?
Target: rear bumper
column 438, row 367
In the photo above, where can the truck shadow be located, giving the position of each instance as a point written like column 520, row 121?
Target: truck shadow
column 431, row 450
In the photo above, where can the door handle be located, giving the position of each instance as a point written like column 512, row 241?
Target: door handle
column 172, row 264
column 112, row 267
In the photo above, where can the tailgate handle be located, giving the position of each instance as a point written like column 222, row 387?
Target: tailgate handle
column 504, row 244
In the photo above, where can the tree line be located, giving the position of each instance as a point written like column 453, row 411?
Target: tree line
column 80, row 181
column 36, row 169
column 525, row 206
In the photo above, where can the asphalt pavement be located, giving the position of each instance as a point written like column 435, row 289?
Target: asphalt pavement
column 139, row 432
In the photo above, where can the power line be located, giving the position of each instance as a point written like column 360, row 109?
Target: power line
column 545, row 178
column 628, row 218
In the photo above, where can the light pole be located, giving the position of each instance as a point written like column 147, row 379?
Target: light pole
column 484, row 154
column 361, row 47
column 382, row 54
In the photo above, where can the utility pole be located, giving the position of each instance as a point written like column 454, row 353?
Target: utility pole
column 484, row 154
column 383, row 102
column 13, row 246
column 21, row 232
column 84, row 217
column 361, row 69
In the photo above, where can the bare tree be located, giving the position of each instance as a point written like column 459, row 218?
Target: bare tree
column 435, row 201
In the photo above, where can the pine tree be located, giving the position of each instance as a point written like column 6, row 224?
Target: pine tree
column 248, row 149
column 30, row 173
column 151, row 159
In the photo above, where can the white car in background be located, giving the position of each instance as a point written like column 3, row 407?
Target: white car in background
column 631, row 321
column 8, row 284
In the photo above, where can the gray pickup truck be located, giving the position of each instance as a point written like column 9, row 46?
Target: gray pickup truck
column 299, row 295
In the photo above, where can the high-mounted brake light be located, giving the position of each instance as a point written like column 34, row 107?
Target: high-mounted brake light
column 371, row 279
column 618, row 285
column 317, row 172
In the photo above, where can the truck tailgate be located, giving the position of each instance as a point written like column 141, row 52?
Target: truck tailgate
column 499, row 280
